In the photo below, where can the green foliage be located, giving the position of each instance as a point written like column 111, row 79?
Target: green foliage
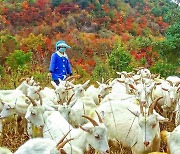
column 102, row 69
column 98, row 11
column 120, row 59
column 163, row 68
column 18, row 59
column 55, row 3
column 112, row 3
column 83, row 3
column 170, row 47
column 8, row 43
column 111, row 14
column 132, row 3
column 1, row 70
column 140, row 42
column 156, row 11
column 84, row 75
column 42, row 78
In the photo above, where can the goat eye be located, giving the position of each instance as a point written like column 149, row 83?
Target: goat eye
column 97, row 137
column 33, row 113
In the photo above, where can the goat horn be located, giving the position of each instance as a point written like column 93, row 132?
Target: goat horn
column 152, row 106
column 99, row 117
column 70, row 99
column 21, row 79
column 120, row 81
column 32, row 101
column 178, row 89
column 63, row 138
column 40, row 98
column 69, row 88
column 110, row 79
column 91, row 120
column 177, row 84
column 102, row 80
column 61, row 145
column 171, row 84
column 69, row 77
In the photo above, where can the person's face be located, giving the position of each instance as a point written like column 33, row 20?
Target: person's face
column 61, row 49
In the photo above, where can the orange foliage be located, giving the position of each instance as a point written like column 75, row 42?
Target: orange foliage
column 143, row 22
column 125, row 37
column 25, row 5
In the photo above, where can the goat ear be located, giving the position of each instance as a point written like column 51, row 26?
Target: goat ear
column 161, row 118
column 98, row 82
column 86, row 83
column 53, row 84
column 62, row 151
column 87, row 129
column 71, row 84
column 28, row 113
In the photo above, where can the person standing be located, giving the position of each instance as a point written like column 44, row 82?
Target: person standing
column 60, row 67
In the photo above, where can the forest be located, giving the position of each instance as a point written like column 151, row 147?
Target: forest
column 106, row 36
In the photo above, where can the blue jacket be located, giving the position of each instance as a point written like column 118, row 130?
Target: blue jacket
column 59, row 66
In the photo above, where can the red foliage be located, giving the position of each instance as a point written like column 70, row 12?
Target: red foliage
column 128, row 23
column 143, row 22
column 91, row 62
column 105, row 8
column 64, row 8
column 125, row 37
column 24, row 48
column 5, row 10
column 147, row 53
column 41, row 3
column 40, row 51
column 89, row 52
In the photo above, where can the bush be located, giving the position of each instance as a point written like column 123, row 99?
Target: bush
column 164, row 68
column 156, row 11
column 19, row 60
column 119, row 60
column 102, row 69
column 1, row 70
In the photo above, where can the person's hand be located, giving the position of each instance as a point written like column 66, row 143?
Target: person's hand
column 49, row 74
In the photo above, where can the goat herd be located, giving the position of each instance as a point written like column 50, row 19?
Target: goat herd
column 72, row 118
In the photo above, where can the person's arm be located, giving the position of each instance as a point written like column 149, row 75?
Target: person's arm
column 52, row 63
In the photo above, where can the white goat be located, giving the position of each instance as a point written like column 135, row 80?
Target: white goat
column 42, row 146
column 170, row 94
column 172, row 139
column 99, row 93
column 56, row 126
column 4, row 150
column 142, row 134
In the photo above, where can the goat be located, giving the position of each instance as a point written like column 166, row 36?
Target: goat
column 42, row 146
column 56, row 126
column 170, row 94
column 172, row 139
column 142, row 134
column 4, row 150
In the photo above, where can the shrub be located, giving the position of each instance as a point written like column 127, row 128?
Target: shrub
column 119, row 60
column 164, row 68
column 102, row 69
column 18, row 59
column 1, row 70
